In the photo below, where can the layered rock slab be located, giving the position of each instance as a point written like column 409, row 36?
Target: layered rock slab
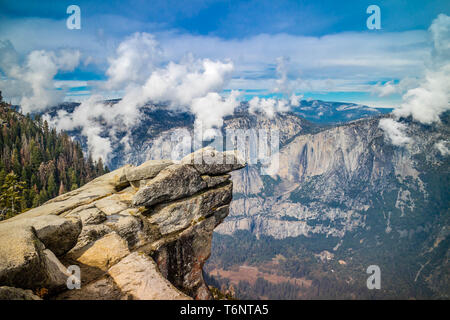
column 174, row 182
column 178, row 215
column 211, row 162
column 138, row 277
column 147, row 170
column 104, row 252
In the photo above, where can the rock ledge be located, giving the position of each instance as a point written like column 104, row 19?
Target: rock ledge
column 135, row 233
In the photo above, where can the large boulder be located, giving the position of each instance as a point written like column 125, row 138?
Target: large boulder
column 174, row 182
column 56, row 272
column 89, row 234
column 138, row 278
column 212, row 162
column 89, row 214
column 178, row 215
column 56, row 233
column 20, row 256
column 24, row 261
column 104, row 252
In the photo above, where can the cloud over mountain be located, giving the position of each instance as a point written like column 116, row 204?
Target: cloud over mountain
column 395, row 132
column 190, row 84
column 427, row 101
column 432, row 97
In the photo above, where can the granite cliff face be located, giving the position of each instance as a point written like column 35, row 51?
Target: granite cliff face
column 135, row 233
column 328, row 181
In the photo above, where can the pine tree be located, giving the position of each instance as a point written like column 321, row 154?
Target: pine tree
column 51, row 185
column 2, row 176
column 11, row 196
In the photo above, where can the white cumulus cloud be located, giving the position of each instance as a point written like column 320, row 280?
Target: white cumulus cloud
column 395, row 132
column 191, row 84
column 426, row 102
column 137, row 51
column 268, row 106
column 294, row 100
column 443, row 147
column 31, row 83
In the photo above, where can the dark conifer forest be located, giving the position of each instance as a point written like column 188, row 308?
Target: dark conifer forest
column 38, row 163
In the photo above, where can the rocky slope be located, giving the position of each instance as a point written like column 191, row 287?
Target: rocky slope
column 135, row 233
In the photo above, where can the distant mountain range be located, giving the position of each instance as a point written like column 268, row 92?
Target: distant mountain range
column 335, row 112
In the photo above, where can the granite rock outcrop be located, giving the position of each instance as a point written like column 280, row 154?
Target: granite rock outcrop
column 135, row 233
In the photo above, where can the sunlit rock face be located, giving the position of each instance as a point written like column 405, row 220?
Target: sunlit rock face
column 135, row 233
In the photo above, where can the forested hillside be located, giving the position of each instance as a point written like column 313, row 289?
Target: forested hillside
column 37, row 163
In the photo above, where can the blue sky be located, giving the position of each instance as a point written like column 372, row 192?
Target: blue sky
column 328, row 52
column 240, row 19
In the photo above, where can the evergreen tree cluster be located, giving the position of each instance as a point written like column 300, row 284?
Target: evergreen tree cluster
column 37, row 163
